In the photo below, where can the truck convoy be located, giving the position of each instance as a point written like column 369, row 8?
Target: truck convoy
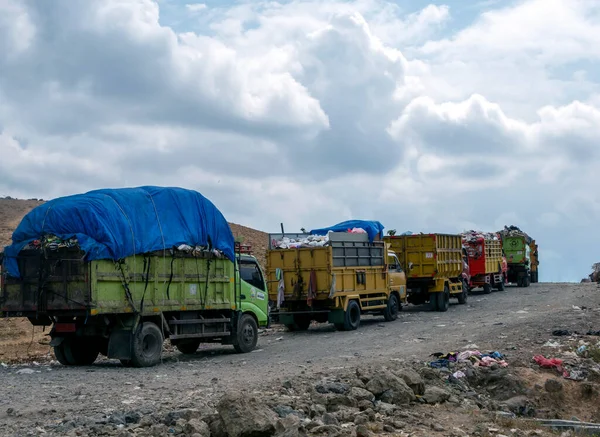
column 334, row 275
column 517, row 246
column 434, row 268
column 487, row 264
column 117, row 271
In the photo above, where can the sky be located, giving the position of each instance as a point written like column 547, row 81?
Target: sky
column 426, row 116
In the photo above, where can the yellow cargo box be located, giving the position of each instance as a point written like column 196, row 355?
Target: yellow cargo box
column 534, row 262
column 433, row 265
column 321, row 283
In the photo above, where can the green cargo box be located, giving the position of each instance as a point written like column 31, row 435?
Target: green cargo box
column 106, row 307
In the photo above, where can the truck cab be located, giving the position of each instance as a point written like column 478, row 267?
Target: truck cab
column 254, row 292
column 397, row 277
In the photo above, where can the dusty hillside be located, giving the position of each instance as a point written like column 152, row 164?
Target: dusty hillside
column 11, row 213
column 257, row 239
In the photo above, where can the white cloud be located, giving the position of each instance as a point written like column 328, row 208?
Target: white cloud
column 195, row 7
column 310, row 113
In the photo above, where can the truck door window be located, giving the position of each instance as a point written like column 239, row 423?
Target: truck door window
column 250, row 273
column 394, row 263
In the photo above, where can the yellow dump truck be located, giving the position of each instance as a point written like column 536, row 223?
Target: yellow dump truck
column 333, row 279
column 534, row 262
column 434, row 268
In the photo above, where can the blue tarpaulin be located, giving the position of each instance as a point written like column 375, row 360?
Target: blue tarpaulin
column 373, row 228
column 117, row 223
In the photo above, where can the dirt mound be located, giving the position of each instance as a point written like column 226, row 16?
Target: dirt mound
column 257, row 239
column 11, row 213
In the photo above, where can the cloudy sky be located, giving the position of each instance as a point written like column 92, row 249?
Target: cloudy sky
column 427, row 116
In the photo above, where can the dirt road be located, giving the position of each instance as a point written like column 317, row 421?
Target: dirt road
column 516, row 322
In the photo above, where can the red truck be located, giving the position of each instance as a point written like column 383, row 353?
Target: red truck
column 486, row 260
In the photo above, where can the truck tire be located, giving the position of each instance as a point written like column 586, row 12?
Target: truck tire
column 352, row 316
column 487, row 288
column 393, row 308
column 188, row 347
column 147, row 345
column 444, row 300
column 80, row 351
column 59, row 353
column 501, row 283
column 433, row 301
column 462, row 297
column 246, row 337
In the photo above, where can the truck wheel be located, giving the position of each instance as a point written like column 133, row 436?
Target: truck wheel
column 352, row 316
column 444, row 300
column 501, row 283
column 188, row 347
column 487, row 288
column 433, row 301
column 79, row 352
column 59, row 353
column 147, row 346
column 247, row 334
column 462, row 297
column 393, row 307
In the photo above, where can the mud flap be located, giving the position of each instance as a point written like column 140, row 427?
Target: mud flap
column 286, row 319
column 56, row 341
column 336, row 316
column 120, row 344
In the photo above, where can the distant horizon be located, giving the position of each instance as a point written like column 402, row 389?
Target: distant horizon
column 441, row 115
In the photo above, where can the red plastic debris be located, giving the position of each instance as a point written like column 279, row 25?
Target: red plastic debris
column 548, row 363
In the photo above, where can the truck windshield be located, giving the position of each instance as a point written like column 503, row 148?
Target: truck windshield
column 250, row 272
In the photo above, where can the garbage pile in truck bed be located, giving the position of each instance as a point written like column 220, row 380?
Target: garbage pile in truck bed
column 474, row 236
column 514, row 231
column 307, row 240
column 54, row 243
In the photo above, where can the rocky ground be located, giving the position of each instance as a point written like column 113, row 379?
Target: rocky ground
column 373, row 381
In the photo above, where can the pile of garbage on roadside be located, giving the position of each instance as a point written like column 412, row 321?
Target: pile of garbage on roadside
column 575, row 357
column 306, row 240
column 514, row 231
column 595, row 275
column 474, row 357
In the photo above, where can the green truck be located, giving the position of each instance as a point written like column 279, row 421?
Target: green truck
column 516, row 246
column 126, row 308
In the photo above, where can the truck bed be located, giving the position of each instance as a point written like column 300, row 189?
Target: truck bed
column 63, row 283
column 356, row 265
column 428, row 255
column 485, row 256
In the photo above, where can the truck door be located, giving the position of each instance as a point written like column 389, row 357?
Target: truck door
column 396, row 275
column 254, row 289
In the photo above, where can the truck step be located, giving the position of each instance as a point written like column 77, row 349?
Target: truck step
column 206, row 335
column 198, row 321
